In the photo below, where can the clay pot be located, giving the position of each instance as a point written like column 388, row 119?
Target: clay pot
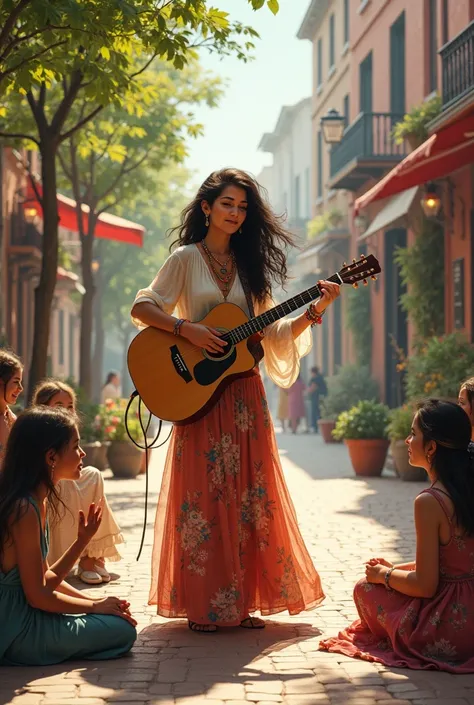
column 124, row 458
column 101, row 456
column 326, row 427
column 92, row 451
column 367, row 455
column 405, row 471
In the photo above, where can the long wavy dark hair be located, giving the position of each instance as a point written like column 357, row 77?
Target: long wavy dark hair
column 34, row 433
column 260, row 249
column 9, row 364
column 448, row 425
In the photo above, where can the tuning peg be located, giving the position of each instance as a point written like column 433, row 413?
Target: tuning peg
column 374, row 278
column 355, row 285
column 344, row 264
column 363, row 256
column 354, row 260
column 365, row 282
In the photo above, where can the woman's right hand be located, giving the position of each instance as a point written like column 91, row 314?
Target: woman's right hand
column 115, row 606
column 203, row 337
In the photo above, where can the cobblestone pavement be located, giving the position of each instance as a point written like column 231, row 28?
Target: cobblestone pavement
column 344, row 521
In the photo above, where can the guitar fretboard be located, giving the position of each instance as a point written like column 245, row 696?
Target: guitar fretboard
column 258, row 323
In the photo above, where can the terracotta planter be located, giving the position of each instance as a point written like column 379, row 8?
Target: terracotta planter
column 124, row 459
column 326, row 427
column 413, row 142
column 367, row 455
column 405, row 471
column 101, row 457
column 92, row 451
column 143, row 465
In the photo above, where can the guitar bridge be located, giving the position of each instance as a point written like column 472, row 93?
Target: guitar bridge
column 180, row 365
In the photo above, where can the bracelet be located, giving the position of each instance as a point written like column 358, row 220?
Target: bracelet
column 178, row 324
column 313, row 316
column 387, row 578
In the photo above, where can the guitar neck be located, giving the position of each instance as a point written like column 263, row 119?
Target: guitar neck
column 259, row 323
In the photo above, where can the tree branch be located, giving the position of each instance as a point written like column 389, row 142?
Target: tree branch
column 81, row 123
column 19, row 136
column 123, row 171
column 66, row 104
column 144, row 68
column 12, row 69
column 39, row 115
column 64, row 167
column 108, row 206
column 12, row 19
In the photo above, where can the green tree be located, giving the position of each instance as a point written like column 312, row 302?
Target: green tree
column 94, row 46
column 109, row 162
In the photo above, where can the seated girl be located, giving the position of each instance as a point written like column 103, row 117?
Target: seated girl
column 11, row 374
column 77, row 496
column 466, row 400
column 421, row 615
column 39, row 613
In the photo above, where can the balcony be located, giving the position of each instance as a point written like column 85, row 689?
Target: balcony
column 366, row 151
column 457, row 58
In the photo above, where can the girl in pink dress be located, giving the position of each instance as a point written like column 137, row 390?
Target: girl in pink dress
column 421, row 615
column 297, row 409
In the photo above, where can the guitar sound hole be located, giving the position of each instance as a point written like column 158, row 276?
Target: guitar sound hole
column 216, row 355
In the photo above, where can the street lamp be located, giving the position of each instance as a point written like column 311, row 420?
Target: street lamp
column 430, row 201
column 30, row 214
column 333, row 125
column 95, row 266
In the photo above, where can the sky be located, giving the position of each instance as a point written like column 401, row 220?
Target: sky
column 255, row 92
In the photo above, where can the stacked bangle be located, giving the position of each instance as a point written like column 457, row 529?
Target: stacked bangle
column 178, row 324
column 313, row 316
column 387, row 578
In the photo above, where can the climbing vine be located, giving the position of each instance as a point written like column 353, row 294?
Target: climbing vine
column 422, row 272
column 359, row 323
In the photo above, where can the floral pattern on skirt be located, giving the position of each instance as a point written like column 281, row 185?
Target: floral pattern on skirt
column 227, row 541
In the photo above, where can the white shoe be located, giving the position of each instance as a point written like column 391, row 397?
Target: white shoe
column 90, row 577
column 104, row 574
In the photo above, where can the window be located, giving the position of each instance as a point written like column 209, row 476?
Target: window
column 61, row 336
column 346, row 109
column 397, row 66
column 332, row 40
column 346, row 21
column 320, row 62
column 296, row 205
column 320, row 165
column 445, row 20
column 432, row 45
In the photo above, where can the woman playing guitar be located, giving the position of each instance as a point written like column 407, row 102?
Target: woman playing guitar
column 227, row 541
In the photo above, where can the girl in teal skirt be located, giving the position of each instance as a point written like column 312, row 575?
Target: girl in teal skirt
column 45, row 620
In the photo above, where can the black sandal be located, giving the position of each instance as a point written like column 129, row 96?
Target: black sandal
column 253, row 624
column 202, row 628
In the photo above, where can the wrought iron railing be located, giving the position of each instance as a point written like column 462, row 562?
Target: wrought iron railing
column 368, row 137
column 457, row 57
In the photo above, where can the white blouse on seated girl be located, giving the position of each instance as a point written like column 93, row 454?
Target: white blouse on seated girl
column 184, row 286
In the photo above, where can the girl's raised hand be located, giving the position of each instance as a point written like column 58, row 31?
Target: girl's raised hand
column 88, row 527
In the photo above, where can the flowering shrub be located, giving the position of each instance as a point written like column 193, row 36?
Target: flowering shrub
column 111, row 420
column 368, row 419
column 348, row 386
column 438, row 367
column 400, row 423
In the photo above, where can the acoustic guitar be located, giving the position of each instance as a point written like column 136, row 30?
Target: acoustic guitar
column 179, row 382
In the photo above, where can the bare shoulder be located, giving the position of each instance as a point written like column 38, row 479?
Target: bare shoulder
column 427, row 506
column 24, row 518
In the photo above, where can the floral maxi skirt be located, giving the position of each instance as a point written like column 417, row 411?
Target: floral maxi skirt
column 227, row 541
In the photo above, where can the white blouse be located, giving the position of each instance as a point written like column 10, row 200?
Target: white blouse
column 185, row 286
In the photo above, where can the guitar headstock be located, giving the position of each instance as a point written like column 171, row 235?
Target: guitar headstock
column 360, row 270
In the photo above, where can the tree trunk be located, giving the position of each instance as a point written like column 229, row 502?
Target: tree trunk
column 44, row 292
column 87, row 306
column 98, row 358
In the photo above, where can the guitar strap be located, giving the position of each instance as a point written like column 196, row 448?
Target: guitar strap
column 255, row 346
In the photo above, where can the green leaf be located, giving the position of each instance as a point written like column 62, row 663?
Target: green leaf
column 273, row 6
column 105, row 53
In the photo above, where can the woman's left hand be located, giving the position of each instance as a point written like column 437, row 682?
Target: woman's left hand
column 375, row 573
column 329, row 293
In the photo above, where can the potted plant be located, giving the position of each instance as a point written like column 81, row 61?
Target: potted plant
column 399, row 428
column 124, row 457
column 349, row 385
column 414, row 126
column 364, row 431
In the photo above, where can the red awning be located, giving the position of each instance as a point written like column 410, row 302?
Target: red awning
column 444, row 152
column 109, row 227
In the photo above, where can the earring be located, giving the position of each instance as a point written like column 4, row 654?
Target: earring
column 207, row 221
